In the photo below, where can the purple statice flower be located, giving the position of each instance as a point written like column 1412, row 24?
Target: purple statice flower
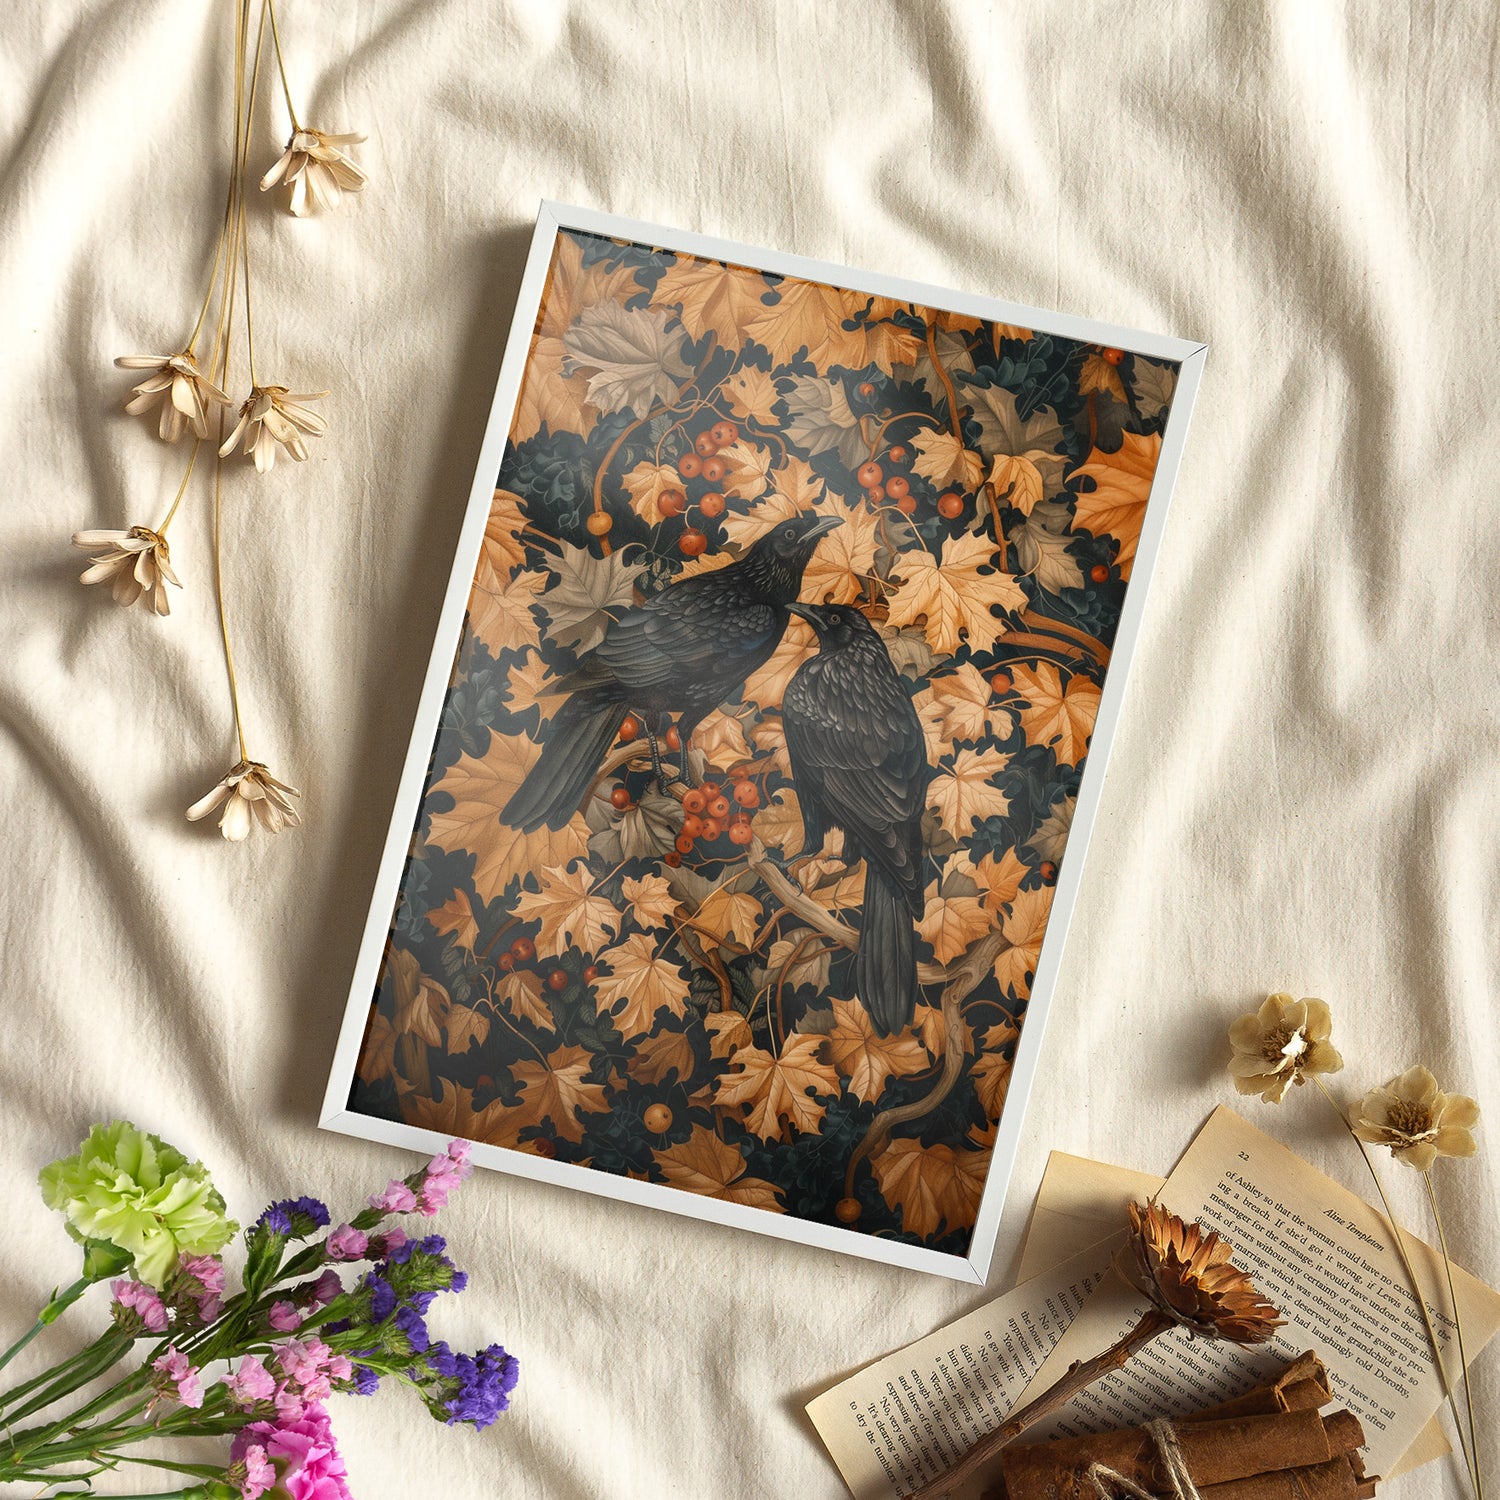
column 475, row 1388
column 409, row 1321
column 138, row 1308
column 365, row 1382
column 347, row 1243
column 180, row 1379
column 276, row 1219
column 300, row 1216
column 382, row 1297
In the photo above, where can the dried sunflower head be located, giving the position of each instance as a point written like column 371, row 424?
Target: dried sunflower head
column 1283, row 1042
column 1419, row 1122
column 176, row 384
column 136, row 564
column 1185, row 1271
column 316, row 170
column 249, row 793
column 272, row 416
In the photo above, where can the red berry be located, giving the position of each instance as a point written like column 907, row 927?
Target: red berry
column 507, row 963
column 867, row 390
column 896, row 486
column 738, row 773
column 692, row 825
column 690, row 466
column 718, row 807
column 657, row 1118
column 557, row 979
column 673, row 738
column 685, row 842
column 671, row 502
column 692, row 543
column 950, row 506
column 591, row 973
column 619, row 799
column 1113, row 356
column 484, row 1081
column 907, row 505
column 543, row 1145
column 671, row 858
column 1099, row 573
column 869, row 473
column 746, row 795
column 1048, row 871
column 1000, row 682
column 523, row 950
column 695, row 801
column 898, row 454
column 724, row 433
column 714, row 469
column 599, row 524
column 630, row 728
column 705, row 445
column 712, row 504
column 710, row 789
column 875, row 494
column 711, row 830
column 739, row 831
column 846, row 1210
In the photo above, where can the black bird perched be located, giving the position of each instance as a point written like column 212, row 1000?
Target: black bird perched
column 859, row 762
column 684, row 651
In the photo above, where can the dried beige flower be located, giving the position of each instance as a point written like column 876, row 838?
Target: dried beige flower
column 1419, row 1122
column 1284, row 1042
column 136, row 564
column 1186, row 1273
column 176, row 384
column 316, row 170
column 247, row 793
column 270, row 416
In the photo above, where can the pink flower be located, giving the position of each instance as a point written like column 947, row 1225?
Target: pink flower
column 382, row 1245
column 185, row 1380
column 326, row 1288
column 303, row 1452
column 397, row 1198
column 260, row 1473
column 251, row 1382
column 459, row 1151
column 134, row 1299
column 444, row 1173
column 207, row 1272
column 284, row 1318
column 347, row 1243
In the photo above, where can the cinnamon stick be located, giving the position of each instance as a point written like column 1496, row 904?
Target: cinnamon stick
column 1301, row 1386
column 1335, row 1480
column 1216, row 1452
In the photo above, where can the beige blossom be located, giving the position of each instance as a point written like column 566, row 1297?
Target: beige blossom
column 1284, row 1042
column 183, row 392
column 273, row 416
column 249, row 793
column 136, row 564
column 1419, row 1122
column 316, row 170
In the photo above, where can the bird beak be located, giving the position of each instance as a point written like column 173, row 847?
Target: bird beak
column 821, row 527
column 804, row 611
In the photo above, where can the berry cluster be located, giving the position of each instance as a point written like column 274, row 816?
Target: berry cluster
column 522, row 955
column 702, row 463
column 713, row 810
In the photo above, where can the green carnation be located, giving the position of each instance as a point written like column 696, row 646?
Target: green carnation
column 135, row 1191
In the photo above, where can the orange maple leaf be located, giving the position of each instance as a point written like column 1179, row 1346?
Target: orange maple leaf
column 711, row 1167
column 868, row 1060
column 1024, row 929
column 556, row 1089
column 456, row 915
column 654, row 1058
column 781, row 1088
column 991, row 1072
column 377, row 1052
column 931, row 1186
column 1058, row 716
column 1116, row 506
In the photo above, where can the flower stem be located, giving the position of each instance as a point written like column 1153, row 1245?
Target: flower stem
column 286, row 87
column 243, row 167
column 1463, row 1358
column 1080, row 1374
column 234, row 688
column 161, row 530
column 1411, row 1273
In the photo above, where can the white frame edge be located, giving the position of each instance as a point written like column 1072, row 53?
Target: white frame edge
column 336, row 1116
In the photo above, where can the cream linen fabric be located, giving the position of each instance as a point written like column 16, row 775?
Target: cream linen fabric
column 1302, row 793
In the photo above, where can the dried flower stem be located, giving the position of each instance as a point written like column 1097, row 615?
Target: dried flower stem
column 161, row 530
column 1080, row 1375
column 286, row 87
column 1411, row 1276
column 234, row 691
column 1458, row 1324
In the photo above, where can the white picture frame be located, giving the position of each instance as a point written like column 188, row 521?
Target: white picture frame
column 554, row 218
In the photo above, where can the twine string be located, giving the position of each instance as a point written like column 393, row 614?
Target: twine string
column 1107, row 1483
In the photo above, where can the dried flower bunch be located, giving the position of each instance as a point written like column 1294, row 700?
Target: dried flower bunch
column 1288, row 1041
column 188, row 393
column 1186, row 1271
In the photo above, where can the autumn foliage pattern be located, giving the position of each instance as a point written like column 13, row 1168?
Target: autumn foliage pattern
column 665, row 992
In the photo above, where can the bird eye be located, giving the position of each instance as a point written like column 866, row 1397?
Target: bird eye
column 790, row 533
column 835, row 619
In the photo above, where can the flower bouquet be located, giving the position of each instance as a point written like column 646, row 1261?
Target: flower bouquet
column 256, row 1366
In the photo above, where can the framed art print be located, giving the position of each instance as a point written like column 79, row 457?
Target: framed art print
column 765, row 725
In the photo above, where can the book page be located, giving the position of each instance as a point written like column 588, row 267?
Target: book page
column 1325, row 1258
column 908, row 1417
column 1079, row 1202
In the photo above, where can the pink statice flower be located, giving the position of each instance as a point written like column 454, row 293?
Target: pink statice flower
column 205, row 1278
column 347, row 1243
column 304, row 1455
column 326, row 1288
column 253, row 1472
column 185, row 1382
column 444, row 1173
column 138, row 1308
column 284, row 1317
column 250, row 1382
column 397, row 1198
column 381, row 1245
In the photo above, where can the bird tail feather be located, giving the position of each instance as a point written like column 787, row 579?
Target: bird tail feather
column 885, row 967
column 578, row 738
